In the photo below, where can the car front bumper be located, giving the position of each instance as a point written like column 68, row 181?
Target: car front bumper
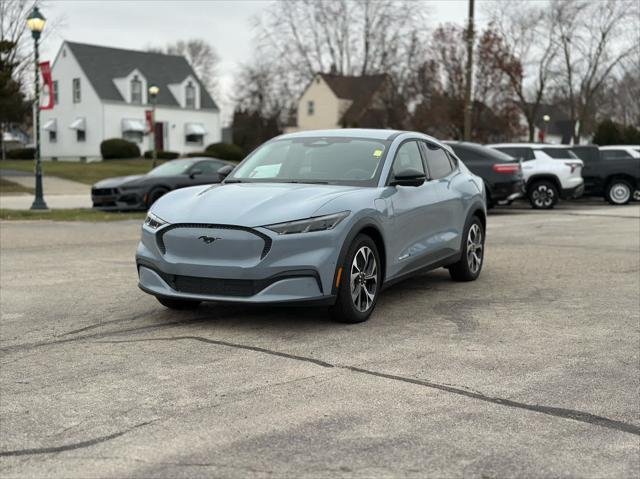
column 573, row 192
column 240, row 265
column 117, row 200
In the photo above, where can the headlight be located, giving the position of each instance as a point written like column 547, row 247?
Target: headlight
column 154, row 222
column 318, row 223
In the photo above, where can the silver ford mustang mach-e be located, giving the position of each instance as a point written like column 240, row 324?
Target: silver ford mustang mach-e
column 327, row 217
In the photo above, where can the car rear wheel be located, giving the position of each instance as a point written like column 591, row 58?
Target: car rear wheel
column 359, row 284
column 618, row 192
column 172, row 303
column 470, row 264
column 543, row 195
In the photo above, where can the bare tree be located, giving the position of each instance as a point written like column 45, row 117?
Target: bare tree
column 202, row 57
column 348, row 37
column 525, row 48
column 595, row 39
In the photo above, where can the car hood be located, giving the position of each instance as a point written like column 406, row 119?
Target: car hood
column 246, row 204
column 118, row 181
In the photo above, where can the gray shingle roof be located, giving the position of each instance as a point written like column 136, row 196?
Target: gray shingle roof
column 103, row 64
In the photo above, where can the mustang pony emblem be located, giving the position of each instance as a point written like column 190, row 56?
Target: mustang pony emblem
column 208, row 239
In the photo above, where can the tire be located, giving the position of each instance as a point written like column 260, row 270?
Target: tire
column 181, row 304
column 360, row 282
column 154, row 195
column 470, row 264
column 619, row 192
column 543, row 195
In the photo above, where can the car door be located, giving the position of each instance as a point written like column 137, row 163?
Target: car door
column 411, row 237
column 208, row 172
column 447, row 207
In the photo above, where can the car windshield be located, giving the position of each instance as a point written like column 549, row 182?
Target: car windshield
column 172, row 168
column 343, row 161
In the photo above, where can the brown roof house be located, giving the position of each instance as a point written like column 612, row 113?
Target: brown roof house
column 339, row 101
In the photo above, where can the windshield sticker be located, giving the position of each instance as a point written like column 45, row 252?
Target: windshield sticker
column 377, row 153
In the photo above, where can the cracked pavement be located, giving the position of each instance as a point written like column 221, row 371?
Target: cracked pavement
column 533, row 370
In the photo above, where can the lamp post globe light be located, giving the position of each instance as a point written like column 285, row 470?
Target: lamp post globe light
column 153, row 93
column 35, row 23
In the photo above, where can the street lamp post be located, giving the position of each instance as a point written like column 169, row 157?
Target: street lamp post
column 153, row 93
column 546, row 119
column 36, row 22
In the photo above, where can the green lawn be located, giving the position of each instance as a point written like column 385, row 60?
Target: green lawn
column 7, row 186
column 88, row 173
column 79, row 214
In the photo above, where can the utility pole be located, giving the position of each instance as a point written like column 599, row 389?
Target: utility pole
column 469, row 75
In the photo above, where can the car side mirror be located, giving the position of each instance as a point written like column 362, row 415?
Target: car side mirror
column 224, row 171
column 195, row 173
column 409, row 177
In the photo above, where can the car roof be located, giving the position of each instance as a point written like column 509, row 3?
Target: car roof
column 617, row 147
column 534, row 146
column 364, row 133
column 371, row 133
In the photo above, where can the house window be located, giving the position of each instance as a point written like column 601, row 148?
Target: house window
column 194, row 139
column 135, row 136
column 311, row 108
column 190, row 95
column 81, row 136
column 76, row 90
column 55, row 92
column 53, row 136
column 136, row 91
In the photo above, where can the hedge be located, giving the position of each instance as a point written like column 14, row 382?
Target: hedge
column 225, row 151
column 21, row 154
column 162, row 155
column 117, row 148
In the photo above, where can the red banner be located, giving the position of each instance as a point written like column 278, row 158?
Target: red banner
column 149, row 117
column 47, row 85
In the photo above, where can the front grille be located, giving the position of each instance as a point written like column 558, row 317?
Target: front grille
column 163, row 249
column 211, row 286
column 103, row 191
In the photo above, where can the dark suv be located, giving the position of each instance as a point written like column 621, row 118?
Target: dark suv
column 608, row 172
column 502, row 174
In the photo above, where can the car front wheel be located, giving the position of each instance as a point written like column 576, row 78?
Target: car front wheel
column 618, row 192
column 543, row 195
column 359, row 284
column 470, row 264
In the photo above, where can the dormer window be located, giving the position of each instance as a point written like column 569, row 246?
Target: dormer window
column 190, row 96
column 136, row 91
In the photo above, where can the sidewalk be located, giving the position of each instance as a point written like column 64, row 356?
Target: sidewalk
column 58, row 192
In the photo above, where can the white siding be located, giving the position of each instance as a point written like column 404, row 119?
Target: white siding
column 328, row 108
column 65, row 69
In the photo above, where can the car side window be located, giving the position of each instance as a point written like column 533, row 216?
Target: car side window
column 408, row 157
column 438, row 161
column 208, row 167
column 517, row 152
column 615, row 155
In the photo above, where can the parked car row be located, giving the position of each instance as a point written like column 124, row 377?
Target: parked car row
column 544, row 174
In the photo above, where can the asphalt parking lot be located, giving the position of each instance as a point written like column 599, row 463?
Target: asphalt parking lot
column 531, row 371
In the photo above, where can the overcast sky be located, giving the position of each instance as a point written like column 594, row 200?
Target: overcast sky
column 226, row 24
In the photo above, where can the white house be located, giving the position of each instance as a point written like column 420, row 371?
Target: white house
column 101, row 92
column 339, row 101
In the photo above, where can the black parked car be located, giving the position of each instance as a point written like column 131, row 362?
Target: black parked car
column 502, row 174
column 141, row 191
column 611, row 173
